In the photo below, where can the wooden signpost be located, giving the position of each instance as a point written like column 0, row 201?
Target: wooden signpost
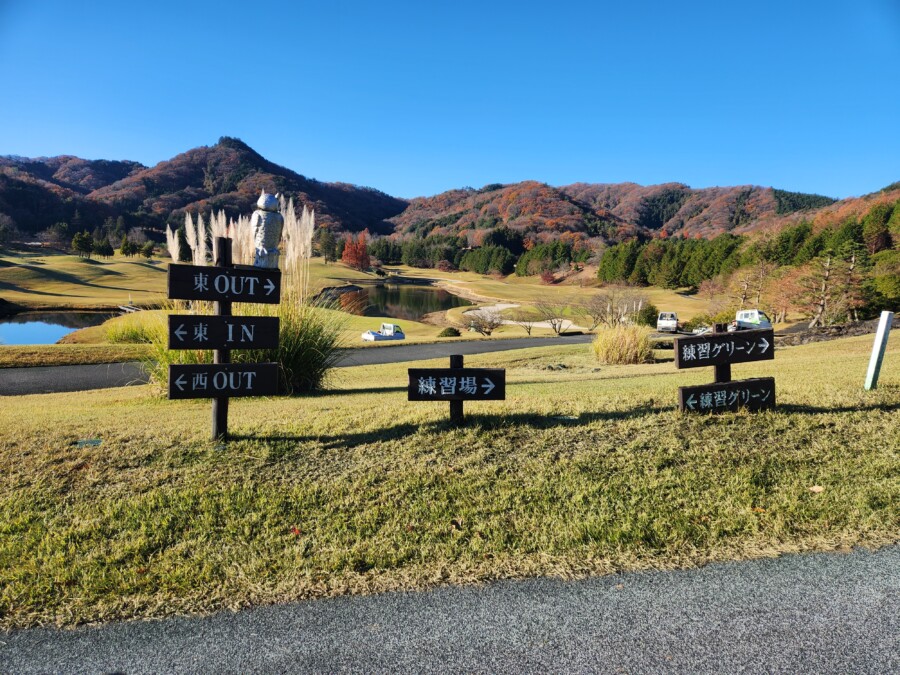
column 223, row 283
column 457, row 384
column 720, row 349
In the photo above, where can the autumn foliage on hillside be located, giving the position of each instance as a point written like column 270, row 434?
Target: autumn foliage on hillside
column 36, row 193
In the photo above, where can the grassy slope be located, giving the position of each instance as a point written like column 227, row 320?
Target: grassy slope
column 52, row 279
column 56, row 280
column 580, row 471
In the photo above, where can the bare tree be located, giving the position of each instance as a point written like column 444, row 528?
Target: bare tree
column 552, row 312
column 740, row 289
column 611, row 307
column 815, row 290
column 484, row 321
column 524, row 320
column 759, row 275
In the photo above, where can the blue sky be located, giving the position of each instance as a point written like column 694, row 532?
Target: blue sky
column 415, row 98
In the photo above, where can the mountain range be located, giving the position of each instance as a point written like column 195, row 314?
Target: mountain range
column 36, row 193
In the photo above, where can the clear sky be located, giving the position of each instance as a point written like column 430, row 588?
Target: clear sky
column 415, row 98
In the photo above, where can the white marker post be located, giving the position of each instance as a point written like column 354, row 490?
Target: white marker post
column 881, row 338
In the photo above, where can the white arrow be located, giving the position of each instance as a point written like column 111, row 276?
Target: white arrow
column 180, row 332
column 690, row 402
column 269, row 287
column 765, row 344
column 489, row 387
column 180, row 382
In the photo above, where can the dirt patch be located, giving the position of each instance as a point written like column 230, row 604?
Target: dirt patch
column 463, row 292
column 826, row 333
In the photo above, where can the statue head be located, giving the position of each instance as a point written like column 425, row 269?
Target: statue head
column 267, row 202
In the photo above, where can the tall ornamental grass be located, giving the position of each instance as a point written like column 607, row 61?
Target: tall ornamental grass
column 623, row 344
column 310, row 330
column 134, row 328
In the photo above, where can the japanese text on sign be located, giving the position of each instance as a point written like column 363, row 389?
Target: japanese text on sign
column 753, row 394
column 721, row 348
column 446, row 384
column 228, row 379
column 235, row 284
column 222, row 332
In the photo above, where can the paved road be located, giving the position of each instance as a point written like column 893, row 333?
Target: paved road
column 50, row 379
column 43, row 380
column 832, row 613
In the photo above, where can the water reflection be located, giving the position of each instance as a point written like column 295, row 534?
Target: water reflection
column 399, row 301
column 45, row 328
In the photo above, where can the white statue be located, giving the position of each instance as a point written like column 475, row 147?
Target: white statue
column 267, row 224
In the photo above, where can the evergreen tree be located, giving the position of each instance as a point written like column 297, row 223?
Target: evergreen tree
column 83, row 244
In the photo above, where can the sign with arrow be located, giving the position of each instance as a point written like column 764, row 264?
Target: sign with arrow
column 224, row 284
column 716, row 349
column 457, row 384
column 215, row 380
column 193, row 331
column 753, row 394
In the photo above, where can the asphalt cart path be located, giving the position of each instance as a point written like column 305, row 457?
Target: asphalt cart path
column 55, row 379
column 812, row 613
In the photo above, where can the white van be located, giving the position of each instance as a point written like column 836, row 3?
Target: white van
column 667, row 322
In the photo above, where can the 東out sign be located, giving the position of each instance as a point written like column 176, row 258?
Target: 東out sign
column 714, row 349
column 224, row 284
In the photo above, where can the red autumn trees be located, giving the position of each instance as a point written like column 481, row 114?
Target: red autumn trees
column 356, row 252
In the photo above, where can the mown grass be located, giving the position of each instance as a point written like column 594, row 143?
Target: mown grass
column 27, row 356
column 48, row 279
column 581, row 470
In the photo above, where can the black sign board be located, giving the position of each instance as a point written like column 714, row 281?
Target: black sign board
column 754, row 394
column 217, row 380
column 224, row 284
column 191, row 331
column 457, row 384
column 715, row 349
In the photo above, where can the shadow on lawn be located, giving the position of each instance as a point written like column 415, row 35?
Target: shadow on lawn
column 818, row 410
column 284, row 444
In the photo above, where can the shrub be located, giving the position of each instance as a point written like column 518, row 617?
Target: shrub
column 647, row 315
column 698, row 321
column 308, row 343
column 623, row 345
column 450, row 331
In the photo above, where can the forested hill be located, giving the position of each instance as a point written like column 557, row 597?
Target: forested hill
column 613, row 212
column 36, row 194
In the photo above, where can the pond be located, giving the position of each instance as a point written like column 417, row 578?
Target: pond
column 46, row 328
column 399, row 301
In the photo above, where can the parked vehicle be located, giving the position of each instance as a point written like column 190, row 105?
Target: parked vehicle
column 749, row 319
column 388, row 331
column 667, row 322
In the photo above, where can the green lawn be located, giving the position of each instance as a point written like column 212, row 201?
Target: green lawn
column 584, row 469
column 48, row 279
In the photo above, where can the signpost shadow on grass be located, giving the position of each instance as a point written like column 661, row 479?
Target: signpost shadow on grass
column 793, row 408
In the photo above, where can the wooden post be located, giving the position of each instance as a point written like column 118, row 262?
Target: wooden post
column 723, row 371
column 220, row 405
column 878, row 349
column 456, row 407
